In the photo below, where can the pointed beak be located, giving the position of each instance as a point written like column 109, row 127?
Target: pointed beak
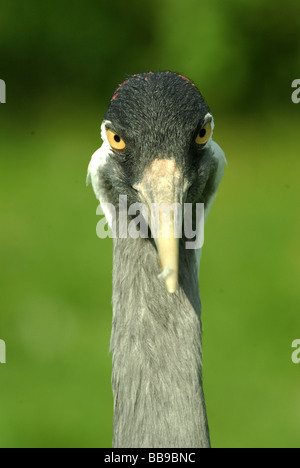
column 168, row 251
column 161, row 191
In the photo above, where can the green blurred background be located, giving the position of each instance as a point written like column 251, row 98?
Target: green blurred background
column 61, row 62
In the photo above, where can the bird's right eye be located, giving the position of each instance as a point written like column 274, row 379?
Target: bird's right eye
column 115, row 141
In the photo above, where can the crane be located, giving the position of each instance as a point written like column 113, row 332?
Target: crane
column 157, row 149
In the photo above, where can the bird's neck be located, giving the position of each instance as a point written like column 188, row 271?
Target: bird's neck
column 156, row 347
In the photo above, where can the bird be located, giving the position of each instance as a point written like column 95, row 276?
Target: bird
column 157, row 149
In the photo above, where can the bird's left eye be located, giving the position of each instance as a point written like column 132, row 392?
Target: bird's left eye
column 115, row 141
column 204, row 134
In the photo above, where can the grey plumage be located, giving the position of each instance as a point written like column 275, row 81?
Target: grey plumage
column 156, row 335
column 156, row 348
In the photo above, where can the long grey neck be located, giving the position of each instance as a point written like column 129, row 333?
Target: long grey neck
column 156, row 348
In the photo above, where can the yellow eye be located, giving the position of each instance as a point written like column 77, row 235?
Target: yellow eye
column 115, row 141
column 204, row 134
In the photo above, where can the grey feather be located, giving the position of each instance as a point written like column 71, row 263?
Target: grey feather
column 156, row 347
column 156, row 336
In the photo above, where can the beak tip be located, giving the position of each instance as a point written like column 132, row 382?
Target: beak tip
column 171, row 285
column 171, row 279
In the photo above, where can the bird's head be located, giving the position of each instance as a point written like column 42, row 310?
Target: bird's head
column 158, row 149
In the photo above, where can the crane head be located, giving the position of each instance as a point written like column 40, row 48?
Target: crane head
column 158, row 150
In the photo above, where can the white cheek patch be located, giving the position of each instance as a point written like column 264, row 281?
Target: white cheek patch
column 218, row 154
column 210, row 118
column 98, row 161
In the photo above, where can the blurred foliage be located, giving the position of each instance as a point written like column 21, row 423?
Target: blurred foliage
column 241, row 53
column 55, row 284
column 244, row 54
column 83, row 45
column 61, row 62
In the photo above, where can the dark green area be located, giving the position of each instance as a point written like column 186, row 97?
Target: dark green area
column 61, row 63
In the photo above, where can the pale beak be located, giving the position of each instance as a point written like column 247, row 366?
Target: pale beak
column 161, row 192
